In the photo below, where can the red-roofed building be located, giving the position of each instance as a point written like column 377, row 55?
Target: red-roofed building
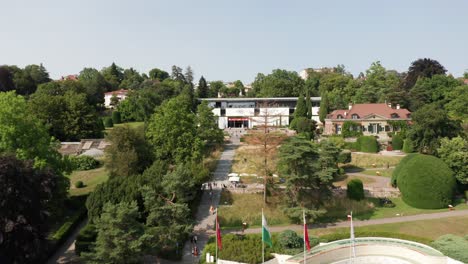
column 120, row 94
column 373, row 119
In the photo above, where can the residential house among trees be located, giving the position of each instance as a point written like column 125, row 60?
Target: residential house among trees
column 119, row 94
column 370, row 119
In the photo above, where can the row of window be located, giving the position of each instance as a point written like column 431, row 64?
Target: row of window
column 372, row 128
column 356, row 116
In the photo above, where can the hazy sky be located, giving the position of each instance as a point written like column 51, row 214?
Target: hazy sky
column 230, row 40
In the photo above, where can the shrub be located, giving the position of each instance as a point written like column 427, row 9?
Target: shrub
column 79, row 184
column 338, row 141
column 353, row 146
column 344, row 156
column 85, row 239
column 355, row 190
column 290, row 239
column 84, row 162
column 116, row 117
column 108, row 122
column 426, row 182
column 368, row 144
column 453, row 246
column 408, row 146
column 397, row 142
column 400, row 165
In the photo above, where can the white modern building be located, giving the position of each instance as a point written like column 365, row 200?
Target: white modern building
column 120, row 94
column 252, row 112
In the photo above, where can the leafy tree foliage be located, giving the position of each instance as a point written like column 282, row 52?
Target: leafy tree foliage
column 351, row 129
column 454, row 152
column 309, row 170
column 23, row 134
column 456, row 106
column 429, row 90
column 301, row 107
column 94, row 84
column 309, row 106
column 280, row 83
column 158, row 74
column 290, row 239
column 113, row 75
column 207, row 129
column 378, row 82
column 172, row 130
column 28, row 196
column 128, row 153
column 422, row 68
column 453, row 246
column 430, row 124
column 131, row 79
column 324, row 107
column 368, row 144
column 69, row 117
column 116, row 117
column 202, row 90
column 408, row 146
column 397, row 142
column 177, row 74
column 120, row 237
column 6, row 80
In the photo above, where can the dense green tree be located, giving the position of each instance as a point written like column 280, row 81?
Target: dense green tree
column 202, row 89
column 131, row 79
column 6, row 79
column 457, row 103
column 429, row 90
column 177, row 74
column 216, row 87
column 158, row 74
column 69, row 117
column 208, row 129
column 188, row 76
column 377, row 84
column 309, row 106
column 324, row 107
column 454, row 152
column 172, row 130
column 240, row 87
column 128, row 153
column 27, row 199
column 280, row 83
column 355, row 190
column 94, row 84
column 422, row 68
column 453, row 246
column 121, row 237
column 311, row 86
column 113, row 75
column 22, row 133
column 301, row 107
column 430, row 124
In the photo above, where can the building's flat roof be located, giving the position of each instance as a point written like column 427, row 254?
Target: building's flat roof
column 242, row 99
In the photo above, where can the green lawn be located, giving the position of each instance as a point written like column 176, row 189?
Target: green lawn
column 130, row 124
column 383, row 172
column 431, row 229
column 247, row 208
column 373, row 160
column 345, row 179
column 90, row 178
column 402, row 209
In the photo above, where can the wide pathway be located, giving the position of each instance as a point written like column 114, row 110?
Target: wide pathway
column 204, row 218
column 391, row 220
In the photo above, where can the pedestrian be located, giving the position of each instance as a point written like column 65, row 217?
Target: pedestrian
column 191, row 239
column 195, row 239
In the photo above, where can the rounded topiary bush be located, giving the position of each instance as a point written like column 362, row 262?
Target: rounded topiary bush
column 397, row 142
column 79, row 184
column 355, row 190
column 344, row 156
column 368, row 144
column 108, row 122
column 290, row 239
column 426, row 182
column 400, row 165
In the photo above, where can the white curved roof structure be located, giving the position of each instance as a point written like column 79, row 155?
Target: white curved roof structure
column 373, row 250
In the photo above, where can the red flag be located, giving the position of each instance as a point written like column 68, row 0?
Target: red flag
column 306, row 235
column 218, row 233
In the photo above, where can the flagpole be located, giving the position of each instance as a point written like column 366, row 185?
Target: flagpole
column 263, row 244
column 216, row 223
column 304, row 235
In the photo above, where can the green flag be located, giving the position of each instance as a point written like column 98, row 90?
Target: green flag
column 266, row 236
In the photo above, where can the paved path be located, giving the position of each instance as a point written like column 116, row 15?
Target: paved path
column 391, row 220
column 66, row 252
column 205, row 220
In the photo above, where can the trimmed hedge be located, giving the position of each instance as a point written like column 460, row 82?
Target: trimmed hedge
column 346, row 235
column 116, row 117
column 108, row 122
column 83, row 162
column 368, row 144
column 85, row 239
column 453, row 246
column 400, row 165
column 397, row 142
column 355, row 190
column 408, row 146
column 426, row 182
column 79, row 184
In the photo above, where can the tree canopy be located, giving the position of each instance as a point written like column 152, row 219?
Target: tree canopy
column 280, row 83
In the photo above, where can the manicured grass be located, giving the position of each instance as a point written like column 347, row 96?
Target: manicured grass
column 402, row 209
column 90, row 178
column 374, row 160
column 383, row 172
column 431, row 229
column 344, row 181
column 130, row 124
column 247, row 208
